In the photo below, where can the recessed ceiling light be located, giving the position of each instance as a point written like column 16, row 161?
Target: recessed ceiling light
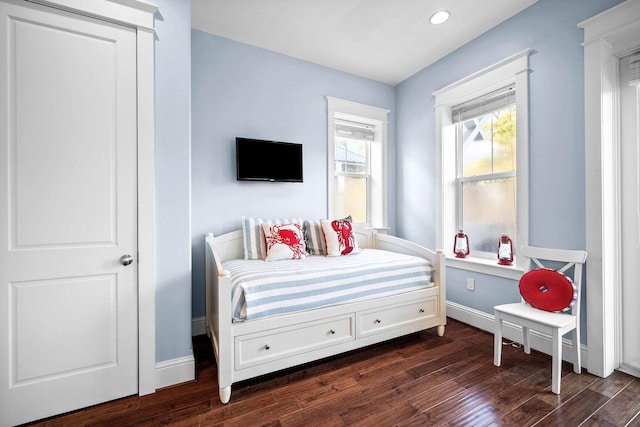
column 439, row 17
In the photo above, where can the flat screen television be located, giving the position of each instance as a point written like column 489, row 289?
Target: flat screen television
column 261, row 160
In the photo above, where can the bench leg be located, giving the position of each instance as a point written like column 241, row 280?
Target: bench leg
column 525, row 340
column 556, row 361
column 225, row 394
column 577, row 365
column 497, row 341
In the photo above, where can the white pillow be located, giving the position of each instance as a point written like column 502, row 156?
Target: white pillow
column 340, row 237
column 284, row 241
column 253, row 236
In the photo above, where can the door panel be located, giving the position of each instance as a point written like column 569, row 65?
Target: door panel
column 68, row 317
column 92, row 343
column 49, row 60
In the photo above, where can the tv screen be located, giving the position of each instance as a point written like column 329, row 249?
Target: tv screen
column 260, row 160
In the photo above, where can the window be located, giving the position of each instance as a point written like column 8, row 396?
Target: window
column 482, row 177
column 357, row 148
column 352, row 147
column 486, row 169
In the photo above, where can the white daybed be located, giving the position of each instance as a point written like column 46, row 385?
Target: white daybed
column 251, row 348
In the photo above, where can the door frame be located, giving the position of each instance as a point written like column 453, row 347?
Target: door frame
column 626, row 280
column 140, row 16
column 608, row 36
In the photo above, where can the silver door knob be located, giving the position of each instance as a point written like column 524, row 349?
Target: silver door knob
column 126, row 260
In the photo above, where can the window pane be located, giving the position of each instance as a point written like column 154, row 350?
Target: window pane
column 489, row 211
column 351, row 156
column 489, row 143
column 351, row 198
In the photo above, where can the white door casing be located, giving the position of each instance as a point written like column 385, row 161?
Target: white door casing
column 69, row 194
column 608, row 36
column 139, row 15
column 629, row 339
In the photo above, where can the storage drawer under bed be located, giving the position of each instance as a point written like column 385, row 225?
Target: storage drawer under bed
column 407, row 315
column 263, row 347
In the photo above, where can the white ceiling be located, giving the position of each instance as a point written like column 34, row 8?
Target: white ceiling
column 383, row 40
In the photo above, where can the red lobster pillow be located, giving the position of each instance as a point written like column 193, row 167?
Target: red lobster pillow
column 339, row 237
column 548, row 290
column 284, row 241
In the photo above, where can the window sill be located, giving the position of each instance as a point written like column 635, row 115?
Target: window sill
column 485, row 266
column 381, row 230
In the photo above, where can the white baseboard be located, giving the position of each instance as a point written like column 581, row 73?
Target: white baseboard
column 511, row 332
column 198, row 326
column 175, row 371
column 182, row 369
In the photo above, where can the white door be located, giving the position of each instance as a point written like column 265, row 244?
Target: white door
column 68, row 304
column 630, row 213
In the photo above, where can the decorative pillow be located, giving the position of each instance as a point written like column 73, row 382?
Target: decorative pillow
column 339, row 237
column 284, row 241
column 548, row 290
column 253, row 236
column 314, row 238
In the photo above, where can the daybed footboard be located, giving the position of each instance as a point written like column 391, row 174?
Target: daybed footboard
column 248, row 349
column 437, row 259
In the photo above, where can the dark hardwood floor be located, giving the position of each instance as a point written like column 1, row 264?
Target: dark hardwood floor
column 418, row 380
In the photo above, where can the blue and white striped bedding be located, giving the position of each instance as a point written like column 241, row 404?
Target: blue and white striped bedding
column 261, row 289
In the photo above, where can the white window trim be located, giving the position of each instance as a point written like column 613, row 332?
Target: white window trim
column 377, row 200
column 514, row 69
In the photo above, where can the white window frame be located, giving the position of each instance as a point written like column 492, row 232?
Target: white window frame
column 487, row 176
column 512, row 70
column 377, row 179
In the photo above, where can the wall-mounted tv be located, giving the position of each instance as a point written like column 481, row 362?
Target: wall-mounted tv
column 261, row 160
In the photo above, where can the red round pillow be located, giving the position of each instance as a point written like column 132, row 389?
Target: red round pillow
column 548, row 290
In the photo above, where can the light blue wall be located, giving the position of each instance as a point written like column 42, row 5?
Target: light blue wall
column 557, row 170
column 240, row 90
column 172, row 178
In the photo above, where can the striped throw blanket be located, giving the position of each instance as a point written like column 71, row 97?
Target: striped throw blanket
column 262, row 289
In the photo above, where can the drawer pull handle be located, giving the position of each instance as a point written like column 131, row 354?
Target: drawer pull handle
column 422, row 310
column 332, row 332
column 266, row 347
column 378, row 321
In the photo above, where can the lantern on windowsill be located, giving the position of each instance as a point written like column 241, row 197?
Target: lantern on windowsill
column 505, row 250
column 461, row 245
